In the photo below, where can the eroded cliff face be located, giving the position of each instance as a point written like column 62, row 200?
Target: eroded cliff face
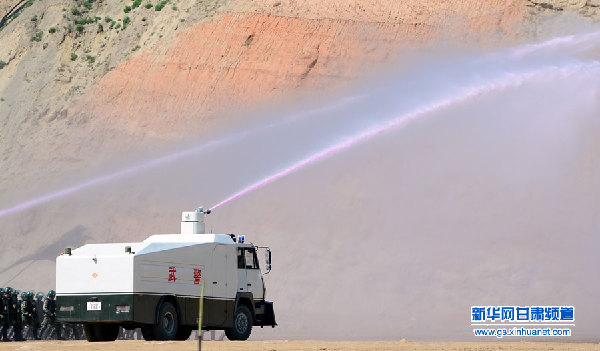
column 255, row 52
column 77, row 97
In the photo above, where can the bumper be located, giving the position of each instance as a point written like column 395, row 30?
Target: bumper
column 103, row 308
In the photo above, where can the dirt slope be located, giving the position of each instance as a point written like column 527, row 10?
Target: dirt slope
column 259, row 50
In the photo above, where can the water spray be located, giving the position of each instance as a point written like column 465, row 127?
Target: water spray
column 467, row 94
column 515, row 54
column 173, row 157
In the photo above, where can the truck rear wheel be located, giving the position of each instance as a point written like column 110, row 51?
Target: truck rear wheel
column 242, row 324
column 168, row 322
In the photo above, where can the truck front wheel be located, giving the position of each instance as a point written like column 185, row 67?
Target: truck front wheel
column 168, row 322
column 242, row 324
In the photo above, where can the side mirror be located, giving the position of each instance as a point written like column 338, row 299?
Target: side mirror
column 268, row 259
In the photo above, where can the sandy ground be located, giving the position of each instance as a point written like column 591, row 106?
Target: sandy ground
column 285, row 345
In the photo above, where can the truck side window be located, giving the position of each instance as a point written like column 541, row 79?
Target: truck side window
column 251, row 260
column 241, row 262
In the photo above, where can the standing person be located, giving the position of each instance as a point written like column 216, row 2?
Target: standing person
column 3, row 315
column 50, row 313
column 15, row 316
column 39, row 304
column 29, row 313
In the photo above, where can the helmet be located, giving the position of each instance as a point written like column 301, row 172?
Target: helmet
column 51, row 293
column 39, row 295
column 24, row 295
column 8, row 290
column 1, row 290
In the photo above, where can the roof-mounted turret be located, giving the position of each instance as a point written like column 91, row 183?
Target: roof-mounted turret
column 193, row 222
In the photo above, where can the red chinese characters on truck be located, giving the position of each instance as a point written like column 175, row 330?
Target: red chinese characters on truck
column 172, row 271
column 197, row 276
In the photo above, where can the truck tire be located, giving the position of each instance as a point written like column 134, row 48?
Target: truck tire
column 168, row 321
column 88, row 331
column 183, row 333
column 147, row 333
column 242, row 324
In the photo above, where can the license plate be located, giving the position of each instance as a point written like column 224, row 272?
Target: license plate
column 94, row 306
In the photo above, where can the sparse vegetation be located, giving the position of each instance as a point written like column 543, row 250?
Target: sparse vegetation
column 174, row 8
column 2, row 99
column 126, row 21
column 52, row 30
column 100, row 28
column 2, row 64
column 84, row 21
column 75, row 12
column 37, row 36
column 87, row 5
column 79, row 28
column 90, row 59
column 135, row 48
column 108, row 19
column 149, row 6
column 127, row 9
column 160, row 5
column 143, row 19
column 112, row 24
column 34, row 18
column 136, row 3
column 118, row 26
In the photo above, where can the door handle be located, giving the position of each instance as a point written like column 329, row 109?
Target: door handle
column 214, row 282
column 249, row 284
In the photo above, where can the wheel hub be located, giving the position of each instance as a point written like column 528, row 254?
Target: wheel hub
column 241, row 323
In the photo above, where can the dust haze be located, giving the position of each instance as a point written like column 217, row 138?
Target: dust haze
column 494, row 200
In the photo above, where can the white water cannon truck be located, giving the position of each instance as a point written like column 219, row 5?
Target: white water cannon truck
column 156, row 285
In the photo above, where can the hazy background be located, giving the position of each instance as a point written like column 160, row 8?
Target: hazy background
column 492, row 201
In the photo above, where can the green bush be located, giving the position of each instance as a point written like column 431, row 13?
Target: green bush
column 127, row 9
column 75, row 12
column 160, row 5
column 112, row 24
column 90, row 58
column 73, row 56
column 126, row 21
column 52, row 30
column 87, row 5
column 100, row 28
column 149, row 6
column 135, row 48
column 136, row 3
column 107, row 19
column 2, row 64
column 34, row 18
column 79, row 28
column 37, row 36
column 118, row 26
